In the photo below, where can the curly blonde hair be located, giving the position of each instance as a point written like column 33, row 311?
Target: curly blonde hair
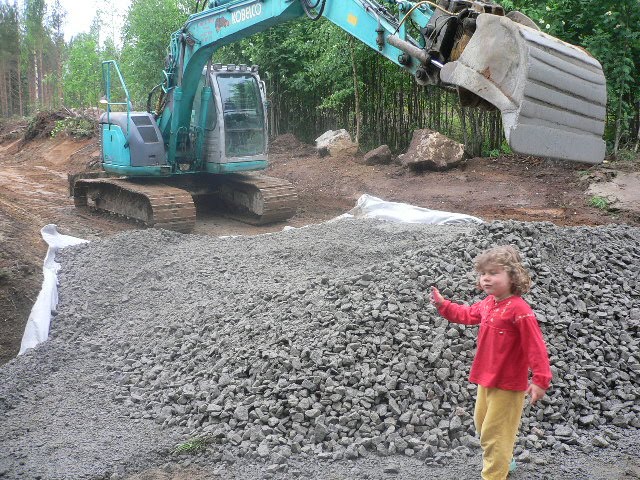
column 508, row 258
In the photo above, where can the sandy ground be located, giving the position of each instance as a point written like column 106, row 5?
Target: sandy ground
column 34, row 193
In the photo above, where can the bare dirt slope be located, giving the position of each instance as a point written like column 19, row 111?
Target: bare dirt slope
column 508, row 187
column 34, row 192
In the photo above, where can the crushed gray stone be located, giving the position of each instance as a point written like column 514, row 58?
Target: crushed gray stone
column 315, row 345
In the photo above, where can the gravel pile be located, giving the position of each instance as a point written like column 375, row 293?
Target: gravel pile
column 320, row 343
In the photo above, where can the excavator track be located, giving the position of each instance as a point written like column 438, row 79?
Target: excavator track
column 249, row 198
column 154, row 204
column 258, row 199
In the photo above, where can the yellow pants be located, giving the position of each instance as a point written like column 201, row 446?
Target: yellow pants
column 497, row 418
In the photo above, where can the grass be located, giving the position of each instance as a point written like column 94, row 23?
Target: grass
column 192, row 446
column 627, row 155
column 600, row 202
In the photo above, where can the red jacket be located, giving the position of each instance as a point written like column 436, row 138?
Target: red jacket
column 509, row 342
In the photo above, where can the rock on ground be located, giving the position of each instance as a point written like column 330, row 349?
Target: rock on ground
column 335, row 142
column 378, row 156
column 431, row 150
column 622, row 192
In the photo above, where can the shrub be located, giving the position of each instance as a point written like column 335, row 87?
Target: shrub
column 76, row 127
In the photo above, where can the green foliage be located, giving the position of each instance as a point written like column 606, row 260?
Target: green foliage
column 146, row 35
column 309, row 73
column 10, row 40
column 628, row 155
column 76, row 127
column 599, row 202
column 31, row 50
column 109, row 51
column 504, row 149
column 35, row 31
column 82, row 74
column 192, row 446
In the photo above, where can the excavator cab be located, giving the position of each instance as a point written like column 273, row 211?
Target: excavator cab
column 235, row 130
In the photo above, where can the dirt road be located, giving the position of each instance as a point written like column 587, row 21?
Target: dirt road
column 33, row 193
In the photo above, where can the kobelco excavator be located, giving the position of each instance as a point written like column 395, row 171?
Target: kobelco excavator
column 207, row 132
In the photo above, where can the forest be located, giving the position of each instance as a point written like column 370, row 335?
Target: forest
column 318, row 77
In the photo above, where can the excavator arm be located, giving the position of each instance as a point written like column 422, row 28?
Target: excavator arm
column 552, row 95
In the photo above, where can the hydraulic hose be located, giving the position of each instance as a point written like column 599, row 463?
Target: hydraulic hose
column 309, row 6
column 431, row 4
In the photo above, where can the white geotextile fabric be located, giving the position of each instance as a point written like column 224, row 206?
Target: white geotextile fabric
column 37, row 328
column 373, row 207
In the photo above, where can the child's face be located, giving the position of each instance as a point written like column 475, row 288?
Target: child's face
column 495, row 280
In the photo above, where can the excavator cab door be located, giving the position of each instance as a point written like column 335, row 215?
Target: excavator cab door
column 235, row 131
column 212, row 132
column 243, row 116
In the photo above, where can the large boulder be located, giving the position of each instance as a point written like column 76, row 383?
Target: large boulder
column 378, row 156
column 431, row 150
column 334, row 142
column 621, row 193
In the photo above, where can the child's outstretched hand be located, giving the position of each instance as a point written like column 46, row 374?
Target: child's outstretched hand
column 536, row 393
column 435, row 297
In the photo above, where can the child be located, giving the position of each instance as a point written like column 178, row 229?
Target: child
column 509, row 344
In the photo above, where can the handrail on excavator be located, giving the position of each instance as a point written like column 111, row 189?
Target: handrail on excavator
column 106, row 75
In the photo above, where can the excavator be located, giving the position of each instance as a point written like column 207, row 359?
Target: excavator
column 204, row 132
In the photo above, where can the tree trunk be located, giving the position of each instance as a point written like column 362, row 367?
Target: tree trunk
column 473, row 143
column 463, row 124
column 379, row 104
column 356, row 92
column 20, row 101
column 477, row 134
column 41, row 85
column 33, row 84
column 60, row 92
column 5, row 81
column 638, row 134
column 618, row 132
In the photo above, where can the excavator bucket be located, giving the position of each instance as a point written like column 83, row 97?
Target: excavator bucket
column 552, row 95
